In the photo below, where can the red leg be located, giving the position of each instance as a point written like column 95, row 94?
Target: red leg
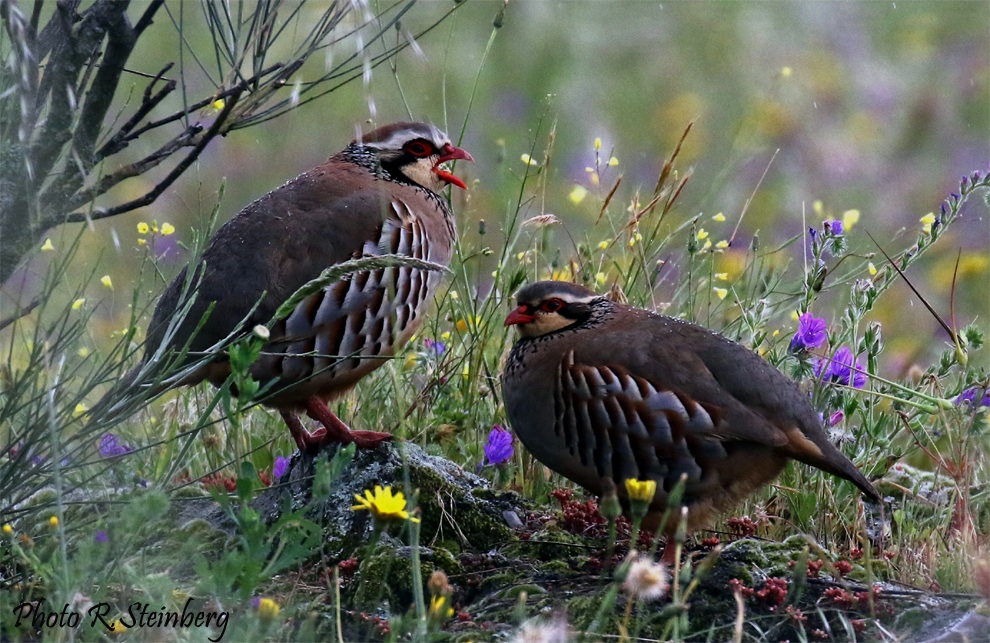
column 337, row 431
column 304, row 439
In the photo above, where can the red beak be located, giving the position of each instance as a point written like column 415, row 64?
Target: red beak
column 520, row 316
column 451, row 153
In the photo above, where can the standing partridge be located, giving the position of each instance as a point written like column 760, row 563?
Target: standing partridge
column 379, row 195
column 601, row 392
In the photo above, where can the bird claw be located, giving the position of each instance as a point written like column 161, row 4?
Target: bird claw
column 313, row 441
column 332, row 431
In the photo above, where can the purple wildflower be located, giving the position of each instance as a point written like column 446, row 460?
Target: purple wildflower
column 812, row 233
column 498, row 449
column 437, row 347
column 969, row 396
column 810, row 333
column 835, row 227
column 840, row 368
column 101, row 536
column 280, row 467
column 835, row 418
column 111, row 447
column 255, row 602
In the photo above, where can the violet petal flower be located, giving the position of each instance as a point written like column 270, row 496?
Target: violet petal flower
column 841, row 369
column 810, row 333
column 101, row 536
column 969, row 397
column 437, row 347
column 111, row 447
column 498, row 449
column 836, row 227
column 280, row 467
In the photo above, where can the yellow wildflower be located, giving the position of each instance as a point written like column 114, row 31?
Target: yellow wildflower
column 411, row 359
column 47, row 246
column 142, row 227
column 818, row 207
column 219, row 104
column 53, row 521
column 871, row 268
column 453, row 294
column 577, row 194
column 702, row 234
column 722, row 245
column 528, row 160
column 440, row 610
column 603, row 245
column 7, row 529
column 105, row 280
column 384, row 504
column 77, row 304
column 167, row 229
column 612, row 161
column 850, row 218
column 80, row 409
column 776, row 332
column 83, row 352
column 722, row 276
column 600, row 278
column 720, row 292
column 268, row 609
column 461, row 326
column 142, row 241
column 786, row 72
column 719, row 217
column 445, row 335
column 641, row 490
column 928, row 220
column 598, row 144
column 117, row 627
column 708, row 244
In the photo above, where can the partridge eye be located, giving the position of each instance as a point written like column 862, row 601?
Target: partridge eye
column 551, row 305
column 419, row 148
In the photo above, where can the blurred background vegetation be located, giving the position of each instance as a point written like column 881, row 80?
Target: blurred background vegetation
column 811, row 109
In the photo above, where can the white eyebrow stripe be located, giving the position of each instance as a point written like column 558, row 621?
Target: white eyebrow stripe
column 397, row 138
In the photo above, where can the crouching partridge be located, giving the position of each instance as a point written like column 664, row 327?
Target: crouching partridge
column 380, row 195
column 601, row 392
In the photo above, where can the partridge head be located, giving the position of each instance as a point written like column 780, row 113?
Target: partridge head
column 379, row 195
column 601, row 392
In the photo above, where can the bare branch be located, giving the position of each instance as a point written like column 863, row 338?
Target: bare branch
column 155, row 192
column 54, row 169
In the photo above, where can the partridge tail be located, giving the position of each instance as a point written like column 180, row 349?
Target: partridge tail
column 844, row 468
column 813, row 447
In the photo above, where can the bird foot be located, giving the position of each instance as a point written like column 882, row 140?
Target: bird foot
column 313, row 441
column 335, row 431
column 316, row 439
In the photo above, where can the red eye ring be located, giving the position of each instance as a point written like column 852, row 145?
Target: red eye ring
column 551, row 305
column 420, row 148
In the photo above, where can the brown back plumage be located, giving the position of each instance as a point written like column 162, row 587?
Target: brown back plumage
column 377, row 196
